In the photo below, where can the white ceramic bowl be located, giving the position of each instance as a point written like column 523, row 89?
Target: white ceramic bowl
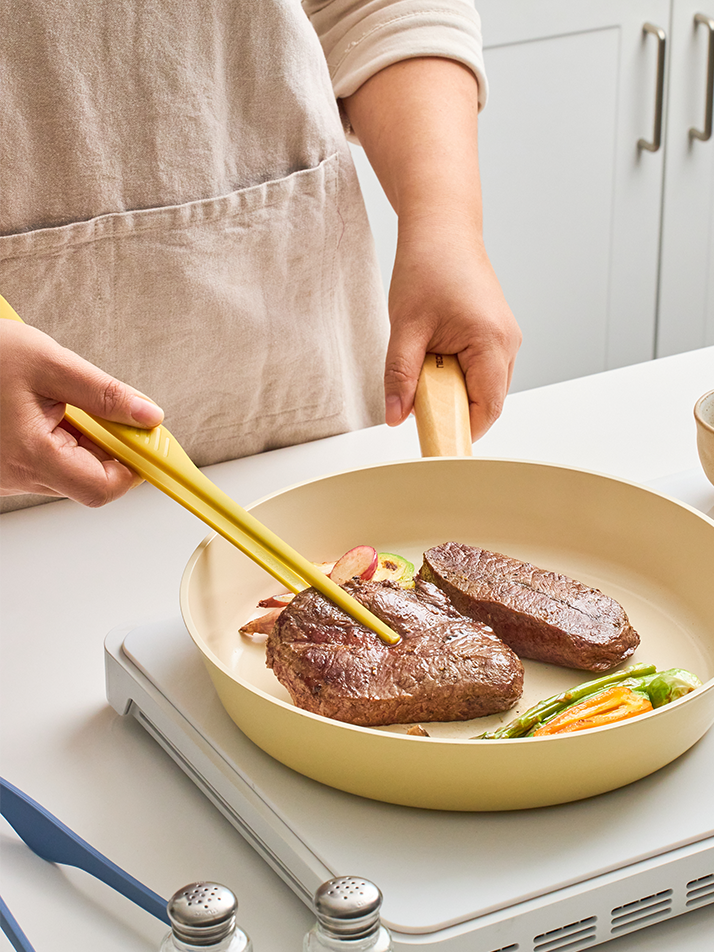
column 704, row 415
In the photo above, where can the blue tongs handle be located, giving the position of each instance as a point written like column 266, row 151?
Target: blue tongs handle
column 9, row 925
column 55, row 842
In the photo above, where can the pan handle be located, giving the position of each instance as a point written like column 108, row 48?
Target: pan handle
column 441, row 407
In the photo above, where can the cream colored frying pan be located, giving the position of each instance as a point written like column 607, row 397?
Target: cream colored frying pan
column 652, row 554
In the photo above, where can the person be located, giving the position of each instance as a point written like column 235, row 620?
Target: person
column 181, row 217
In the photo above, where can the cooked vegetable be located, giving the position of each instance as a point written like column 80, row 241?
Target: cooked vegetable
column 613, row 698
column 262, row 625
column 394, row 568
column 325, row 567
column 416, row 730
column 276, row 601
column 615, row 704
column 360, row 562
column 667, row 686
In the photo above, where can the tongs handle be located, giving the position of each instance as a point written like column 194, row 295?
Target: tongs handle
column 53, row 841
column 441, row 408
column 11, row 928
column 159, row 457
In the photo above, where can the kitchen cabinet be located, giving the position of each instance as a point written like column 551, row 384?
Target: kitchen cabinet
column 586, row 228
column 571, row 201
column 686, row 309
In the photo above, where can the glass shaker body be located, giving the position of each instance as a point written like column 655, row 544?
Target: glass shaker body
column 238, row 942
column 317, row 940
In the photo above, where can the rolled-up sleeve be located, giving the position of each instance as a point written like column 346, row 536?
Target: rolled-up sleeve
column 362, row 37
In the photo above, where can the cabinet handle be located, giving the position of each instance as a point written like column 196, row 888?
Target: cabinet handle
column 657, row 31
column 707, row 132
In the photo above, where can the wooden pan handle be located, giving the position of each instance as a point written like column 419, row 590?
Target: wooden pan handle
column 441, row 407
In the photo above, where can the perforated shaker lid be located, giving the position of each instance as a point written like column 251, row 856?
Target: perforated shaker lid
column 348, row 906
column 203, row 913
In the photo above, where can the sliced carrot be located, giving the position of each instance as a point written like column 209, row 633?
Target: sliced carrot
column 615, row 704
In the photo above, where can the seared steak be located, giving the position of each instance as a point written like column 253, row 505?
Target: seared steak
column 445, row 668
column 539, row 614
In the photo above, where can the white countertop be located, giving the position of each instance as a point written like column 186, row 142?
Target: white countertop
column 70, row 574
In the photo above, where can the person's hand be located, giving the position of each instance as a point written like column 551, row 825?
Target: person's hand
column 445, row 298
column 39, row 451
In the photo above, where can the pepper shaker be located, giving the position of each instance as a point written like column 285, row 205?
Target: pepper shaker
column 203, row 919
column 348, row 918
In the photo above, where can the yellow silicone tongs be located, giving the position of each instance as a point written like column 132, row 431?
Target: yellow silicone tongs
column 158, row 457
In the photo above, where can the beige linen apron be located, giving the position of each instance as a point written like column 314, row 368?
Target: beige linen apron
column 179, row 206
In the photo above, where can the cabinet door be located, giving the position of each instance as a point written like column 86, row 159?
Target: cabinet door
column 686, row 311
column 571, row 204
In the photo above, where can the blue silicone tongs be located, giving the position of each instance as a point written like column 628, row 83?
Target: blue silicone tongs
column 52, row 840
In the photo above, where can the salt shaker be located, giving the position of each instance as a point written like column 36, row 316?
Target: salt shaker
column 203, row 917
column 347, row 910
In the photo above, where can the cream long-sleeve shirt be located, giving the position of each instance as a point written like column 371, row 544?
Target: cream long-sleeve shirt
column 359, row 39
column 178, row 202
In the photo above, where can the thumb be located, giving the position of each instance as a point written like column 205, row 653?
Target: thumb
column 405, row 357
column 68, row 378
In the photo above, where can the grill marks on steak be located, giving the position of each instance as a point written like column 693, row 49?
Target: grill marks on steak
column 445, row 668
column 539, row 614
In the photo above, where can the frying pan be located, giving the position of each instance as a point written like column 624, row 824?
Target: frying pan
column 651, row 553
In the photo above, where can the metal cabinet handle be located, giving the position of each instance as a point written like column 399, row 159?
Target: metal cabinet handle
column 659, row 96
column 708, row 22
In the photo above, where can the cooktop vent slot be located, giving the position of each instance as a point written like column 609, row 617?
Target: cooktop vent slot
column 700, row 891
column 508, row 948
column 641, row 912
column 570, row 938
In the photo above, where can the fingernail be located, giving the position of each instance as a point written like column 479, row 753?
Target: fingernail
column 393, row 406
column 145, row 412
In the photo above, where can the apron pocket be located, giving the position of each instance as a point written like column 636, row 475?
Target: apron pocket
column 224, row 310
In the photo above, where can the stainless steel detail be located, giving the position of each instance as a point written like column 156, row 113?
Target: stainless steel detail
column 202, row 913
column 705, row 134
column 348, row 907
column 658, row 32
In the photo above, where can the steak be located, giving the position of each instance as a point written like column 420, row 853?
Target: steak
column 539, row 614
column 445, row 668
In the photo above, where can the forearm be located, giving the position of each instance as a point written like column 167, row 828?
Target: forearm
column 417, row 121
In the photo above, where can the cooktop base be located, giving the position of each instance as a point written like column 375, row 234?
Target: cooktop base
column 555, row 878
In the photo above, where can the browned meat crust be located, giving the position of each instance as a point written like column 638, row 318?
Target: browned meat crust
column 445, row 668
column 539, row 614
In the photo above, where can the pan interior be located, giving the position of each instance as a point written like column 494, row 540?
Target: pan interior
column 650, row 553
